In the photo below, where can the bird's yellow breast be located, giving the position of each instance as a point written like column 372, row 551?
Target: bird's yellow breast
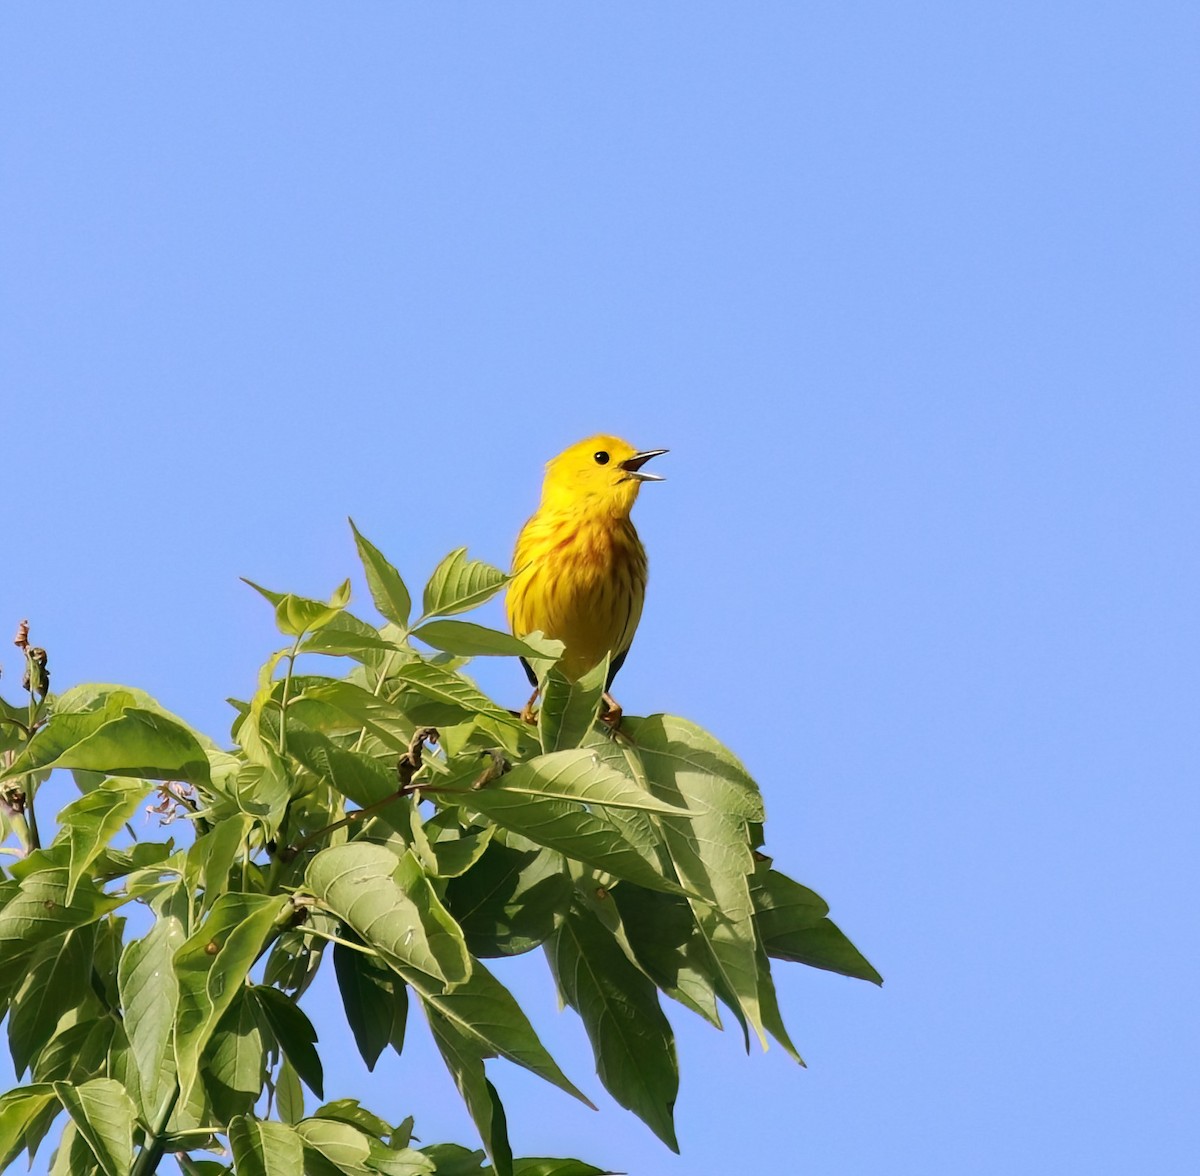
column 579, row 579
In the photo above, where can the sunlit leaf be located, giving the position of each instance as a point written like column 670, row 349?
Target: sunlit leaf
column 382, row 718
column 39, row 911
column 297, row 615
column 579, row 776
column 466, row 639
column 55, row 984
column 18, row 1110
column 118, row 738
column 341, row 1144
column 264, row 1148
column 89, row 823
column 289, row 1094
column 387, row 588
column 445, row 686
column 569, row 708
column 104, row 1115
column 347, row 636
column 459, row 584
column 357, row 777
column 211, row 967
column 567, row 826
column 710, row 848
column 392, row 907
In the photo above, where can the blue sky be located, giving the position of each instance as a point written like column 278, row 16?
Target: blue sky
column 911, row 293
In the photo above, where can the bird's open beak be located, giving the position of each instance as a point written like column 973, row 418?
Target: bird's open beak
column 633, row 465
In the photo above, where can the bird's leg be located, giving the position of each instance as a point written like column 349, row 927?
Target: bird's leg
column 611, row 716
column 528, row 714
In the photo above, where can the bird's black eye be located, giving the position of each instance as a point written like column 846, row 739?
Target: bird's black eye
column 601, row 457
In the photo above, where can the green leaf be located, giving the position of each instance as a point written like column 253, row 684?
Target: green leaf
column 768, row 1000
column 208, row 866
column 464, row 1059
column 119, row 738
column 485, row 1011
column 297, row 615
column 579, row 776
column 793, row 926
column 710, row 849
column 295, row 957
column 456, row 855
column 387, row 588
column 459, row 584
column 782, row 905
column 104, row 1115
column 344, row 1146
column 295, row 1034
column 375, row 1000
column 190, row 1167
column 386, row 721
column 454, row 690
column 631, row 1038
column 567, row 826
column 686, row 759
column 355, row 776
column 265, row 1149
column 823, row 946
column 347, row 636
column 233, row 1066
column 510, row 901
column 56, row 984
column 662, row 935
column 452, row 1159
column 466, row 639
column 74, row 1157
column 211, row 968
column 78, row 1052
column 19, row 1108
column 548, row 1167
column 348, row 1110
column 89, row 823
column 569, row 708
column 391, row 1161
column 289, row 1094
column 39, row 911
column 392, row 908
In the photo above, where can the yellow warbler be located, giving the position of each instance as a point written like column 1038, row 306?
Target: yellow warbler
column 579, row 568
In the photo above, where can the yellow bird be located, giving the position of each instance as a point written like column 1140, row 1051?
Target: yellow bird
column 579, row 570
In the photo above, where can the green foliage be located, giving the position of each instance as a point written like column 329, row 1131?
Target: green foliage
column 394, row 817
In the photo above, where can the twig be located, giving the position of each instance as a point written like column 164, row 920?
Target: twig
column 409, row 764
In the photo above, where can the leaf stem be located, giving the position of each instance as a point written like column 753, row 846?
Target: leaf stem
column 409, row 765
column 283, row 698
column 309, row 930
column 152, row 1151
column 381, row 677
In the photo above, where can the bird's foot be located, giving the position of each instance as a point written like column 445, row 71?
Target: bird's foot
column 611, row 717
column 528, row 714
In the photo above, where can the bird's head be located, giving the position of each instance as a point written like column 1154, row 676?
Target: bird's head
column 602, row 474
